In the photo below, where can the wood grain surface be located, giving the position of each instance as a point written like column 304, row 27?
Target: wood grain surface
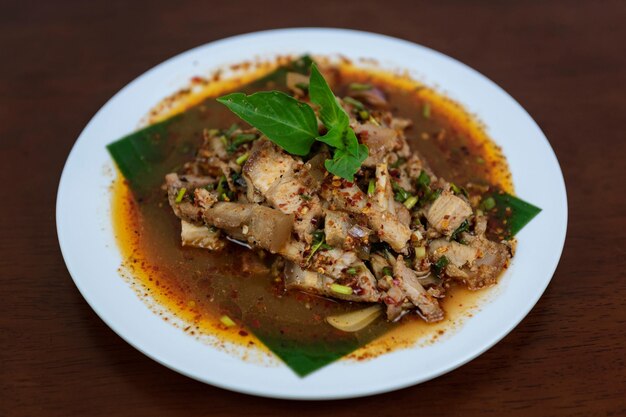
column 563, row 61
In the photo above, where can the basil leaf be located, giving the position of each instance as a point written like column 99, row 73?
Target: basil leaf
column 290, row 124
column 331, row 113
column 341, row 137
column 344, row 164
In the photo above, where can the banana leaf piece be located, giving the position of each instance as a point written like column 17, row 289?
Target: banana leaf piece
column 513, row 212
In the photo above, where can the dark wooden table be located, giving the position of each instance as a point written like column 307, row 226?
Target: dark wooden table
column 563, row 61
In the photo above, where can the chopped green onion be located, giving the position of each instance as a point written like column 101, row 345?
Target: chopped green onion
column 455, row 188
column 222, row 189
column 423, row 179
column 243, row 158
column 420, row 252
column 426, row 111
column 374, row 121
column 341, row 289
column 360, row 87
column 435, row 194
column 354, row 102
column 231, row 129
column 227, row 321
column 400, row 193
column 410, row 202
column 181, row 194
column 462, row 228
column 240, row 140
column 224, row 140
column 439, row 266
column 351, row 271
column 387, row 271
column 371, row 187
column 489, row 203
column 364, row 115
column 319, row 239
column 305, row 197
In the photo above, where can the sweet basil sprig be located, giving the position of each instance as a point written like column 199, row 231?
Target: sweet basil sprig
column 292, row 124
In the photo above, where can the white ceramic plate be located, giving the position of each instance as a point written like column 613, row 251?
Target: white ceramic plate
column 92, row 257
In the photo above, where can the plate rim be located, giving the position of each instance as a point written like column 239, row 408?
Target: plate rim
column 261, row 392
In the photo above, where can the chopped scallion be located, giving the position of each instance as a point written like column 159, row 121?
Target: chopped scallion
column 231, row 129
column 351, row 270
column 181, row 194
column 243, row 158
column 420, row 252
column 387, row 271
column 423, row 179
column 410, row 202
column 341, row 289
column 489, row 203
column 371, row 187
column 439, row 266
column 360, row 87
column 356, row 103
column 227, row 321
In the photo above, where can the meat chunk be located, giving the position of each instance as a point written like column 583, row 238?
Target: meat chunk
column 267, row 163
column 380, row 141
column 336, row 227
column 477, row 264
column 185, row 209
column 200, row 236
column 408, row 282
column 258, row 225
column 459, row 255
column 447, row 213
column 347, row 196
column 296, row 277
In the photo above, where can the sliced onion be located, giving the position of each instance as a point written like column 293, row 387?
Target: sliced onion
column 355, row 320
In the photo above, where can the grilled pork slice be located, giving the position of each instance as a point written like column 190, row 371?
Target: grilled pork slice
column 260, row 226
column 316, row 283
column 476, row 264
column 407, row 281
column 347, row 196
column 447, row 213
column 185, row 209
column 200, row 236
column 286, row 185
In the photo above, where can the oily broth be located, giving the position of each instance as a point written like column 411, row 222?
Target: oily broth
column 199, row 286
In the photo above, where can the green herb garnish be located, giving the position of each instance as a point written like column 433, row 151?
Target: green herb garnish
column 387, row 271
column 240, row 140
column 319, row 242
column 400, row 194
column 439, row 266
column 351, row 271
column 410, row 202
column 356, row 103
column 292, row 125
column 423, row 180
column 180, row 195
column 341, row 289
column 371, row 187
column 488, row 203
column 243, row 158
column 426, row 111
column 359, row 87
column 463, row 227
